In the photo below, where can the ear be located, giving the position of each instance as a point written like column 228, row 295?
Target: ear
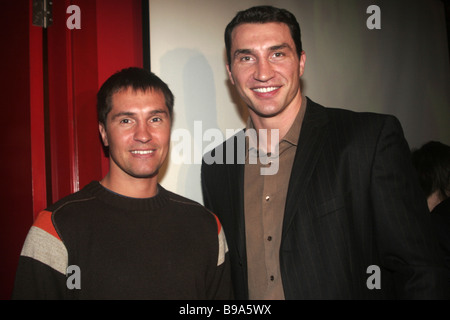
column 102, row 130
column 302, row 63
column 230, row 76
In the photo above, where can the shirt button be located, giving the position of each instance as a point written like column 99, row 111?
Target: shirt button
column 272, row 278
column 269, row 238
column 267, row 198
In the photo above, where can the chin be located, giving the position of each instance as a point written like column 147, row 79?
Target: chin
column 267, row 112
column 144, row 175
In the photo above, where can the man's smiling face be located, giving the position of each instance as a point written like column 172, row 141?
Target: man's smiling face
column 265, row 67
column 137, row 133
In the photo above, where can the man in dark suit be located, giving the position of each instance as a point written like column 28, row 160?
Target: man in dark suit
column 320, row 203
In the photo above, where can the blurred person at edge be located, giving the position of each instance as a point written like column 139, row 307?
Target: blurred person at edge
column 432, row 162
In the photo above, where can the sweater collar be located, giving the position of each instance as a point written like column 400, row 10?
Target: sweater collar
column 126, row 203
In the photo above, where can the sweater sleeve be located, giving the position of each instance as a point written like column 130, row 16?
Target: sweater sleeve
column 220, row 287
column 41, row 273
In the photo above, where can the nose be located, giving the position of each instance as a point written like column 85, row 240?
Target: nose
column 264, row 70
column 142, row 132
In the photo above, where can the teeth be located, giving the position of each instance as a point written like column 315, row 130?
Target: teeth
column 265, row 90
column 142, row 152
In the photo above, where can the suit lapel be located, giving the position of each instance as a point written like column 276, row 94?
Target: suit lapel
column 310, row 144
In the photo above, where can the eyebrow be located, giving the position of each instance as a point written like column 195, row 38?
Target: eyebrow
column 130, row 114
column 280, row 46
column 272, row 48
column 242, row 51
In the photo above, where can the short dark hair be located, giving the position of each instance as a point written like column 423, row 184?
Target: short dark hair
column 136, row 79
column 264, row 14
column 432, row 162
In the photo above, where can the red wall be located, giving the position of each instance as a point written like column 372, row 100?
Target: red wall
column 119, row 39
column 16, row 212
column 60, row 110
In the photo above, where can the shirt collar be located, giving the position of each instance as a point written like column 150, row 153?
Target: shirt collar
column 293, row 133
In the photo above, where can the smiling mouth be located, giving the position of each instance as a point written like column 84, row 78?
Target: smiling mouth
column 265, row 89
column 142, row 152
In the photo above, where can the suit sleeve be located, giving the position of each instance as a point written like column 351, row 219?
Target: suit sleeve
column 406, row 243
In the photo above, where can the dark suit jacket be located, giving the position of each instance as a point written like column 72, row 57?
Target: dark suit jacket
column 353, row 202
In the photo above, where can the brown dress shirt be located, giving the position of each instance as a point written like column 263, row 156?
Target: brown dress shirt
column 264, row 201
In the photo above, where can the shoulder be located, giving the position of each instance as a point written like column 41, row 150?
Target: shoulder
column 192, row 208
column 43, row 243
column 179, row 200
column 68, row 215
column 45, row 226
column 344, row 116
column 204, row 218
column 73, row 199
column 344, row 122
column 46, row 218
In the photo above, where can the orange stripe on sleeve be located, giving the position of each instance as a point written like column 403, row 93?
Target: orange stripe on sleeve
column 219, row 226
column 44, row 222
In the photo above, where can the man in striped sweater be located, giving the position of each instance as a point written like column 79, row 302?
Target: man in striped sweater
column 126, row 237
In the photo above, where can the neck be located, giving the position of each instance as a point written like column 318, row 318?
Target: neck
column 132, row 187
column 281, row 122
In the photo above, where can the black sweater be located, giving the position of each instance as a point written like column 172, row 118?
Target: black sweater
column 164, row 247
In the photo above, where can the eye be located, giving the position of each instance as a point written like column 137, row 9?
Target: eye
column 125, row 121
column 156, row 119
column 246, row 59
column 278, row 54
